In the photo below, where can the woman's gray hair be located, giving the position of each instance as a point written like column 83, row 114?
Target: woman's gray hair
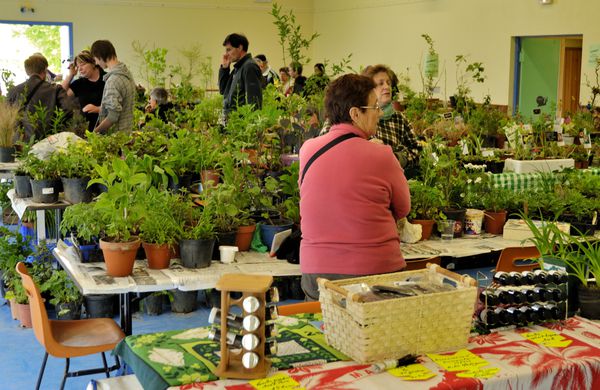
column 160, row 95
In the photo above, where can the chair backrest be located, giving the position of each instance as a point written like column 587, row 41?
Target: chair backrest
column 39, row 316
column 507, row 259
column 298, row 308
column 412, row 265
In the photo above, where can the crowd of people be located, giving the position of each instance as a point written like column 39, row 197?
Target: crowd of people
column 356, row 187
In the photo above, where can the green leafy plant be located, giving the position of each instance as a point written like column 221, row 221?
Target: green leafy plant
column 153, row 64
column 119, row 207
column 84, row 221
column 74, row 161
column 290, row 34
column 62, row 289
column 497, row 199
column 426, row 201
column 199, row 225
column 161, row 224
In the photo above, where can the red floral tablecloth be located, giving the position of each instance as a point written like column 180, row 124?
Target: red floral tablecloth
column 522, row 364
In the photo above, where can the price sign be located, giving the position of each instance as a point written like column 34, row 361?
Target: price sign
column 275, row 382
column 547, row 338
column 412, row 372
column 484, row 373
column 462, row 360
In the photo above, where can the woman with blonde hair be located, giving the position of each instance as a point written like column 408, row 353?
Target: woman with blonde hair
column 88, row 88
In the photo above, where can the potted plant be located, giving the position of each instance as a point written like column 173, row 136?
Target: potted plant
column 74, row 165
column 84, row 224
column 198, row 239
column 180, row 161
column 496, row 201
column 121, row 210
column 44, row 178
column 581, row 212
column 65, row 296
column 9, row 120
column 425, row 206
column 160, row 227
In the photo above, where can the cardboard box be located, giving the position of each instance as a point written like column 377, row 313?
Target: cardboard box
column 517, row 229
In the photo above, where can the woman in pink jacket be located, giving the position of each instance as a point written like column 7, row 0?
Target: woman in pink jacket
column 352, row 191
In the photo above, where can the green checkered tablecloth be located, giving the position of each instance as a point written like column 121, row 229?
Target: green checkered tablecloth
column 523, row 181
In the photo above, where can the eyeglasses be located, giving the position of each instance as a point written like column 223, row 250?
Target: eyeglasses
column 375, row 107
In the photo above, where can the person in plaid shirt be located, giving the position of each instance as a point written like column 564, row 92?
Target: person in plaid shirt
column 393, row 128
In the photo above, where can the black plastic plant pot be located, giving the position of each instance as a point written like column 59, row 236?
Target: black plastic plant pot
column 45, row 191
column 100, row 305
column 76, row 190
column 196, row 253
column 7, row 155
column 23, row 186
column 184, row 301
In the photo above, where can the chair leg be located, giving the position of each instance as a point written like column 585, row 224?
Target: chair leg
column 62, row 384
column 105, row 365
column 41, row 374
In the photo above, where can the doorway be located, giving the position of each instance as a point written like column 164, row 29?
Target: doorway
column 21, row 39
column 547, row 75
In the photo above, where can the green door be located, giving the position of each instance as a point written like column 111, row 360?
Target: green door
column 539, row 76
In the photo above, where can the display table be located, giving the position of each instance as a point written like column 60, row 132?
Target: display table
column 504, row 360
column 20, row 205
column 91, row 278
column 530, row 166
column 522, row 181
column 458, row 247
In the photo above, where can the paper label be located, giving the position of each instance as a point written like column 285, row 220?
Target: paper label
column 275, row 382
column 462, row 360
column 48, row 191
column 547, row 338
column 412, row 372
column 484, row 373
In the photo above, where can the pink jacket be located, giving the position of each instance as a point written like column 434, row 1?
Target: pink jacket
column 349, row 202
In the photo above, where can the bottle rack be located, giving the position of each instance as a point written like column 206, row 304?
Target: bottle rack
column 232, row 363
column 495, row 289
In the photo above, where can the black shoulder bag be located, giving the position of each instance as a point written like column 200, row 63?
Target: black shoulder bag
column 325, row 148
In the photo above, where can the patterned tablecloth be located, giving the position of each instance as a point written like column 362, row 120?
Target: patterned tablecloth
column 508, row 360
column 522, row 181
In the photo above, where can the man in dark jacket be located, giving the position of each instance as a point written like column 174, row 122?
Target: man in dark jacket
column 37, row 94
column 242, row 85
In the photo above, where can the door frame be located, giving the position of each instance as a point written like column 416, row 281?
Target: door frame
column 517, row 44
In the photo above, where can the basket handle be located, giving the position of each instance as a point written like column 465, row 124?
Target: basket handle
column 465, row 279
column 332, row 286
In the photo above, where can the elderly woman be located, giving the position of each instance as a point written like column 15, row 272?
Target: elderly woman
column 352, row 191
column 159, row 104
column 393, row 128
column 88, row 87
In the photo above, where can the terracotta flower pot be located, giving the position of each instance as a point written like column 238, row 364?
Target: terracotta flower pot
column 209, row 178
column 427, row 225
column 24, row 313
column 158, row 255
column 120, row 256
column 494, row 221
column 243, row 237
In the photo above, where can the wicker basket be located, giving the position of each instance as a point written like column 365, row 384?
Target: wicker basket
column 392, row 328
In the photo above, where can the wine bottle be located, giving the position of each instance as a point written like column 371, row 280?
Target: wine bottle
column 503, row 278
column 557, row 312
column 532, row 295
column 504, row 318
column 489, row 317
column 489, row 298
column 530, row 277
column 543, row 313
column 558, row 294
column 517, row 316
column 557, row 277
column 517, row 296
column 543, row 293
column 517, row 278
column 530, row 314
column 504, row 297
column 542, row 276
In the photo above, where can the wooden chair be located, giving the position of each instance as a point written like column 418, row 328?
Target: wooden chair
column 298, row 308
column 69, row 338
column 412, row 265
column 510, row 255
